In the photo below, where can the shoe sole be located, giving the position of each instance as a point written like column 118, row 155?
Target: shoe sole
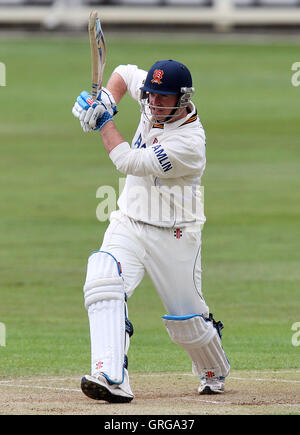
column 208, row 390
column 99, row 392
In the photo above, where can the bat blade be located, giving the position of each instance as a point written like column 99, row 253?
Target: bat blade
column 98, row 52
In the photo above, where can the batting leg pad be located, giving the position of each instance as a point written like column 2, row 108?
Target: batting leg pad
column 201, row 341
column 110, row 329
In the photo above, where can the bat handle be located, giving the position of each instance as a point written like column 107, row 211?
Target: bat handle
column 94, row 90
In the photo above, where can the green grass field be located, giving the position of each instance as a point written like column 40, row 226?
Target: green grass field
column 50, row 171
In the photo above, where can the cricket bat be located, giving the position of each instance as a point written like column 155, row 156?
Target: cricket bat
column 98, row 52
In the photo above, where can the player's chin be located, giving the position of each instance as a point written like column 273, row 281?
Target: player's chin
column 159, row 116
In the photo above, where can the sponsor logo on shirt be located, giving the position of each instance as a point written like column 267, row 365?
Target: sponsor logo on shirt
column 162, row 157
column 138, row 143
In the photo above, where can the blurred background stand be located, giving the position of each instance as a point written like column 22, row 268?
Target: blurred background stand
column 195, row 15
column 61, row 15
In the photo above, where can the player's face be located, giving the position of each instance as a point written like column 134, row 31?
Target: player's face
column 162, row 105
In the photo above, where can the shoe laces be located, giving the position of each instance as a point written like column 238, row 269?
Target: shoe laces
column 211, row 378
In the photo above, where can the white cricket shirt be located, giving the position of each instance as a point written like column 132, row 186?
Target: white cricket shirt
column 163, row 166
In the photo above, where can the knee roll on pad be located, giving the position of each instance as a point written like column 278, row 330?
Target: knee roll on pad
column 105, row 301
column 200, row 339
column 103, row 279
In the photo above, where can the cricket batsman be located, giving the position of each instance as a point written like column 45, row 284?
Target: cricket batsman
column 156, row 229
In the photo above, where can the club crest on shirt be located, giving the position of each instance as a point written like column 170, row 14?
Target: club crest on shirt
column 157, row 76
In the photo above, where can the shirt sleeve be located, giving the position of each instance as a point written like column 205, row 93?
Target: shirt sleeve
column 133, row 77
column 175, row 157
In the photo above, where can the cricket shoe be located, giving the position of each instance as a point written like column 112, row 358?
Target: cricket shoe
column 99, row 388
column 211, row 384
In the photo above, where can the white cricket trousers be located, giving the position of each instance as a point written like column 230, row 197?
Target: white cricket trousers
column 171, row 258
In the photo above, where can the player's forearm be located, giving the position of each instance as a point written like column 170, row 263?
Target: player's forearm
column 111, row 137
column 133, row 161
column 116, row 86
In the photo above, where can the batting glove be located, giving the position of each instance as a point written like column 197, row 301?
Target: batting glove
column 93, row 115
column 108, row 100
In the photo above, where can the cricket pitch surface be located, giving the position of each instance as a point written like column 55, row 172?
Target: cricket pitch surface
column 247, row 392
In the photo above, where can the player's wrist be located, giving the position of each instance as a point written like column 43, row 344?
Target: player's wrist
column 103, row 120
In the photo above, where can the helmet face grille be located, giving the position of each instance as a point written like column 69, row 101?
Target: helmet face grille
column 160, row 119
